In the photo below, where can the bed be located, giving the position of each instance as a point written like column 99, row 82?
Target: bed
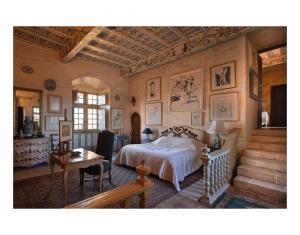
column 172, row 157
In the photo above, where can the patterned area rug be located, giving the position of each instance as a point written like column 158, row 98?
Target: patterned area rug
column 42, row 192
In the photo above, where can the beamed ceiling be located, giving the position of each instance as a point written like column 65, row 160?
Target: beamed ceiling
column 131, row 49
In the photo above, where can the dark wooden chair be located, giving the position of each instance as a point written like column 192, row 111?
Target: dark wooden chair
column 104, row 147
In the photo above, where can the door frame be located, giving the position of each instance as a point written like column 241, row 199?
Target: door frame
column 260, row 78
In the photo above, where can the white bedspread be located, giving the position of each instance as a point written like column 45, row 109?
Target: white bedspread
column 170, row 158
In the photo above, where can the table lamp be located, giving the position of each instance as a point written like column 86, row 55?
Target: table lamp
column 147, row 131
column 217, row 127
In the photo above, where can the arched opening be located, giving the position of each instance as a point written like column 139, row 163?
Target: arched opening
column 90, row 111
column 135, row 128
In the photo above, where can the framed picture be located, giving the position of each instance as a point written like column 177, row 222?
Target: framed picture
column 196, row 119
column 223, row 76
column 54, row 104
column 65, row 131
column 52, row 123
column 254, row 83
column 153, row 114
column 117, row 119
column 186, row 91
column 224, row 107
column 153, row 89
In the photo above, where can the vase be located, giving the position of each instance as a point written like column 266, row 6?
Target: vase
column 28, row 127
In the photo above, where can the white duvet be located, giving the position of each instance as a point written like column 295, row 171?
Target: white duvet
column 171, row 158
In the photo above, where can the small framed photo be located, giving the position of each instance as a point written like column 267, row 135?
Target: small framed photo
column 153, row 89
column 54, row 104
column 223, row 76
column 153, row 114
column 254, row 83
column 117, row 119
column 224, row 107
column 196, row 118
column 52, row 123
column 65, row 131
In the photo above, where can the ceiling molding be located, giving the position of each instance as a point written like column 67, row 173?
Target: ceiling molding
column 79, row 42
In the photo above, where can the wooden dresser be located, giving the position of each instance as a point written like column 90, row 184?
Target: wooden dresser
column 29, row 152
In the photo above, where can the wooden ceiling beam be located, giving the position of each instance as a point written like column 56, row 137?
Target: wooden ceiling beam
column 29, row 31
column 153, row 36
column 134, row 42
column 178, row 33
column 80, row 41
column 103, row 41
column 57, row 32
column 104, row 59
column 93, row 48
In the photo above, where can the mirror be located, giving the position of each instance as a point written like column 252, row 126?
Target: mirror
column 27, row 112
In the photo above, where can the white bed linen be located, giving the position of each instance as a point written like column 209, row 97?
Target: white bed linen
column 170, row 158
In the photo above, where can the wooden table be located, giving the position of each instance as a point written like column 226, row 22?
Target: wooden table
column 67, row 163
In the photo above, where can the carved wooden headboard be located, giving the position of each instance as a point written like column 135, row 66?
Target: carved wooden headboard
column 178, row 131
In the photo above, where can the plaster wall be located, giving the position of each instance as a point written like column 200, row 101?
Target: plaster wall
column 47, row 65
column 222, row 53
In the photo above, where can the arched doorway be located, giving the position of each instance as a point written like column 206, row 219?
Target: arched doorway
column 135, row 128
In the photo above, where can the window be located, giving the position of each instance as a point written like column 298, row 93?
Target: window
column 88, row 113
column 78, row 118
column 92, row 99
column 36, row 114
column 92, row 119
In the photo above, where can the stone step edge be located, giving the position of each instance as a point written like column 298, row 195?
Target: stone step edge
column 268, row 171
column 260, row 142
column 262, row 184
column 264, row 159
column 264, row 151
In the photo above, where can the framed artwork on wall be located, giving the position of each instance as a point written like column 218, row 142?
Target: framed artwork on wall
column 186, row 91
column 254, row 83
column 224, row 106
column 65, row 131
column 117, row 119
column 54, row 104
column 153, row 114
column 223, row 76
column 196, row 118
column 52, row 123
column 153, row 89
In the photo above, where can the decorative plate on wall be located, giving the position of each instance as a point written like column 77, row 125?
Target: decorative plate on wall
column 50, row 84
column 27, row 69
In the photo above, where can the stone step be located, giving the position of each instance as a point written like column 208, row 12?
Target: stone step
column 272, row 165
column 267, row 146
column 268, row 139
column 262, row 174
column 279, row 156
column 270, row 132
column 277, row 192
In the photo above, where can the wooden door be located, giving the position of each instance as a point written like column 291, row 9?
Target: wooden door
column 135, row 128
column 278, row 106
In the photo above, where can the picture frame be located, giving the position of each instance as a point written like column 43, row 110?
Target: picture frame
column 54, row 104
column 117, row 116
column 254, row 84
column 196, row 118
column 65, row 130
column 224, row 106
column 153, row 90
column 154, row 114
column 52, row 122
column 223, row 76
column 186, row 91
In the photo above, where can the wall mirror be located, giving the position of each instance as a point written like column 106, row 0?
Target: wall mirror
column 27, row 106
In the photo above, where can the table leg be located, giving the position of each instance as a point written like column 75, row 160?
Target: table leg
column 101, row 177
column 66, row 185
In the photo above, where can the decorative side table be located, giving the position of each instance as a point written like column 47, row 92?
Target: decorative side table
column 31, row 151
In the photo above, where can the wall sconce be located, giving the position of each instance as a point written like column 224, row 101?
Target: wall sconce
column 133, row 100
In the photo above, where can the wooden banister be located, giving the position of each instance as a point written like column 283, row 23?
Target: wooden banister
column 121, row 195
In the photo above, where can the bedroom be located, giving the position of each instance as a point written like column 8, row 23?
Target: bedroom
column 94, row 87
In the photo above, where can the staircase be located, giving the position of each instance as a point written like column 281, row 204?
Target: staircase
column 262, row 172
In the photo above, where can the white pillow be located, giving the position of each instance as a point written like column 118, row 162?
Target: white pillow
column 199, row 146
column 174, row 142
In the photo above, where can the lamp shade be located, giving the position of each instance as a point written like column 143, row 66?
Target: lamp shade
column 217, row 127
column 147, row 131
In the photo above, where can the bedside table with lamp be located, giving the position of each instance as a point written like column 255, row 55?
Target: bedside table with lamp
column 147, row 132
column 217, row 127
